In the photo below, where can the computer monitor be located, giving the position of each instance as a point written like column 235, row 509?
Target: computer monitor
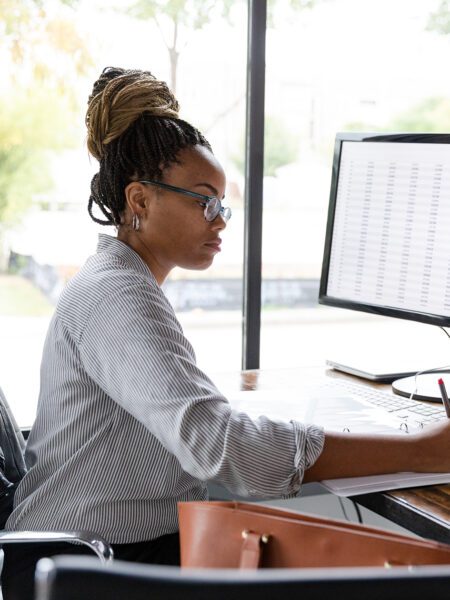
column 387, row 246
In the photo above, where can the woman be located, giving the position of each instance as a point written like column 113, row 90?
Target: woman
column 127, row 424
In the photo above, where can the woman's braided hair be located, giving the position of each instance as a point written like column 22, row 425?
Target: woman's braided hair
column 134, row 132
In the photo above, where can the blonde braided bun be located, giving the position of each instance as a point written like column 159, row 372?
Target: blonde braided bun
column 119, row 97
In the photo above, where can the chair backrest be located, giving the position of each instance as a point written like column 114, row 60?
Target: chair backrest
column 12, row 462
column 75, row 577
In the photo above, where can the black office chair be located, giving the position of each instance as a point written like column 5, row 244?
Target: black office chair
column 12, row 469
column 81, row 577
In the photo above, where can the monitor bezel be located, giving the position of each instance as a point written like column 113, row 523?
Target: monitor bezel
column 324, row 298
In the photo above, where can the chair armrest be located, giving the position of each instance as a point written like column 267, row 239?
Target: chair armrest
column 96, row 543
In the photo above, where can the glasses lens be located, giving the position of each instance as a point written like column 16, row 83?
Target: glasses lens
column 215, row 207
column 212, row 209
column 226, row 214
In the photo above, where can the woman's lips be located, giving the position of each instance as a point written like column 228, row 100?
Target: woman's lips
column 214, row 245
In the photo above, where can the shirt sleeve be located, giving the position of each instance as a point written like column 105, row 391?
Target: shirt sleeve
column 134, row 349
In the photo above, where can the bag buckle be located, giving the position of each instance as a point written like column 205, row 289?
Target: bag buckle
column 264, row 538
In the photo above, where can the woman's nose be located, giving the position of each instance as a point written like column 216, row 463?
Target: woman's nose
column 219, row 222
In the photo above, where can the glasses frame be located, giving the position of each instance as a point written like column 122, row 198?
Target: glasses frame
column 224, row 211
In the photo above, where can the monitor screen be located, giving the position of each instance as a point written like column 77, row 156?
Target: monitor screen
column 387, row 246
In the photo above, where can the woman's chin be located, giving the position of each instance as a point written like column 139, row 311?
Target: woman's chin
column 200, row 265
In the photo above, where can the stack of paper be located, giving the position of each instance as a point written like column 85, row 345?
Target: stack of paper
column 354, row 486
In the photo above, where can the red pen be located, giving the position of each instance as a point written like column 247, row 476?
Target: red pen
column 445, row 400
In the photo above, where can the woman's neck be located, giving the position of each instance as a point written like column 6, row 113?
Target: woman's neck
column 136, row 243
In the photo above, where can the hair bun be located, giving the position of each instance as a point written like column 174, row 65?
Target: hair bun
column 119, row 97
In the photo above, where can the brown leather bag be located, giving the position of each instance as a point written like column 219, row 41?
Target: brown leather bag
column 241, row 535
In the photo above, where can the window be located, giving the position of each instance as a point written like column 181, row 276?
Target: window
column 341, row 65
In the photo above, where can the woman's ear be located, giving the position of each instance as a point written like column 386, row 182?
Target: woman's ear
column 136, row 197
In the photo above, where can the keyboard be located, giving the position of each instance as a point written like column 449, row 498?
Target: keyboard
column 414, row 411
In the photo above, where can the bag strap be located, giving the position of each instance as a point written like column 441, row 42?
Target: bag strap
column 251, row 549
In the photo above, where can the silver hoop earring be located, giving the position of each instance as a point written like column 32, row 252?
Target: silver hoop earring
column 135, row 223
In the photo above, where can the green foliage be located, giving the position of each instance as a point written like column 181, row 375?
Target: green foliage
column 190, row 15
column 15, row 15
column 196, row 14
column 32, row 124
column 431, row 115
column 280, row 147
column 293, row 5
column 193, row 14
column 439, row 20
column 45, row 54
column 300, row 4
column 22, row 173
column 41, row 36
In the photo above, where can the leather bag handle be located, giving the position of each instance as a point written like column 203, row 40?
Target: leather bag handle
column 251, row 549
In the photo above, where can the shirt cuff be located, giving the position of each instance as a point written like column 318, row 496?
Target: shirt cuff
column 309, row 440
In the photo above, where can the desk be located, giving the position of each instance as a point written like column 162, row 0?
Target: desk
column 424, row 511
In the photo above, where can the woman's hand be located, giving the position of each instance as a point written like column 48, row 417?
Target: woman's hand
column 433, row 448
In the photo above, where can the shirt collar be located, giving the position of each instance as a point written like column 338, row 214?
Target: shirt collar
column 111, row 245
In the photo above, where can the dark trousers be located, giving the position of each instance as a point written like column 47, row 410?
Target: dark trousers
column 20, row 560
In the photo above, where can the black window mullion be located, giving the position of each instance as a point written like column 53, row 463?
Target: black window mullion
column 254, row 171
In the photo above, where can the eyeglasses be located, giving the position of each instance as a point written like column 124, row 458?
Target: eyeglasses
column 213, row 206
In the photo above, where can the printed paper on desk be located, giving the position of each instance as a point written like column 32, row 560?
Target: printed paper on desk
column 354, row 486
column 335, row 410
column 319, row 404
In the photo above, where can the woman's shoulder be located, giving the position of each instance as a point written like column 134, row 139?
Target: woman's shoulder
column 108, row 281
column 105, row 274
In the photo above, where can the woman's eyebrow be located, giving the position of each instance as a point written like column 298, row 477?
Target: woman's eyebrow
column 209, row 186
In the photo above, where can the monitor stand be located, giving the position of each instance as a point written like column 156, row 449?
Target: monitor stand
column 422, row 387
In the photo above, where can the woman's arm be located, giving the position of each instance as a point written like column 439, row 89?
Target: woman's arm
column 133, row 349
column 354, row 455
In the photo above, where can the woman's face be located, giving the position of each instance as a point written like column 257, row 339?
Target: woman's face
column 173, row 230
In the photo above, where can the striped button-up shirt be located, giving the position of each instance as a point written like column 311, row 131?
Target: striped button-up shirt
column 127, row 424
